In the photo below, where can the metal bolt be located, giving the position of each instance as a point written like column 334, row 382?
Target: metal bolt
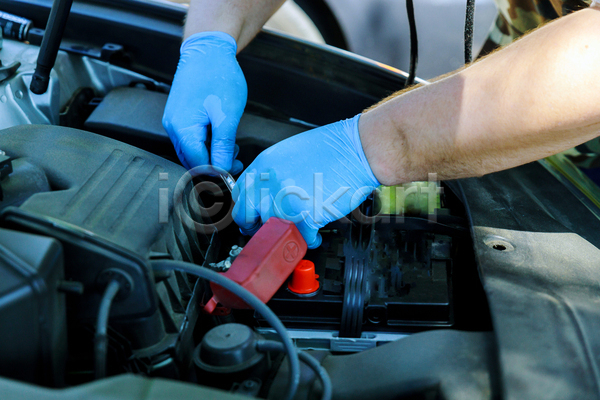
column 249, row 384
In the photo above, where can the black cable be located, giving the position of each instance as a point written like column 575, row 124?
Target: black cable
column 271, row 345
column 414, row 44
column 252, row 301
column 101, row 338
column 55, row 28
column 469, row 22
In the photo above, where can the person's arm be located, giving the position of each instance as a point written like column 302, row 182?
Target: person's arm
column 534, row 98
column 209, row 88
column 242, row 19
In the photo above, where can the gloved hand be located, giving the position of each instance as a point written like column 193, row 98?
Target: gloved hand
column 209, row 89
column 311, row 179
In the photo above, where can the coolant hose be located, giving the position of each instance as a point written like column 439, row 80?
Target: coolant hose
column 101, row 338
column 252, row 301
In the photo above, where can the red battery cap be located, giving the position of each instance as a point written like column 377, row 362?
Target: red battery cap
column 264, row 264
column 304, row 280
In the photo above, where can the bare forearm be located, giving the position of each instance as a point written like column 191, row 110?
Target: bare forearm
column 538, row 96
column 242, row 19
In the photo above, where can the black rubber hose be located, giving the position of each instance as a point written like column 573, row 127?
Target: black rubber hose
column 252, row 301
column 57, row 21
column 101, row 338
column 271, row 345
column 414, row 44
column 354, row 299
column 469, row 22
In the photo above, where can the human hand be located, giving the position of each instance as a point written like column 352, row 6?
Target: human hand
column 311, row 179
column 209, row 88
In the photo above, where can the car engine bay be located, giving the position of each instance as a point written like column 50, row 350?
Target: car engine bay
column 75, row 197
column 100, row 222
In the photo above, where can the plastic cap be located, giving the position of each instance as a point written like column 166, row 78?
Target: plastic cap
column 304, row 280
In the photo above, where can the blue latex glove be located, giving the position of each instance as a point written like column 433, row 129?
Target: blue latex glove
column 209, row 89
column 312, row 178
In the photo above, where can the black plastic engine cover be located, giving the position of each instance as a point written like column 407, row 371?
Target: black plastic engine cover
column 110, row 205
column 32, row 310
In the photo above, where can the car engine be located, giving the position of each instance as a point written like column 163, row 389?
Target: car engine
column 92, row 194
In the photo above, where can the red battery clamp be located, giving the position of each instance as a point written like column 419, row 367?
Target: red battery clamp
column 263, row 266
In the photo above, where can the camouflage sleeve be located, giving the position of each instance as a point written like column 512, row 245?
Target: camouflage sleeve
column 516, row 17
